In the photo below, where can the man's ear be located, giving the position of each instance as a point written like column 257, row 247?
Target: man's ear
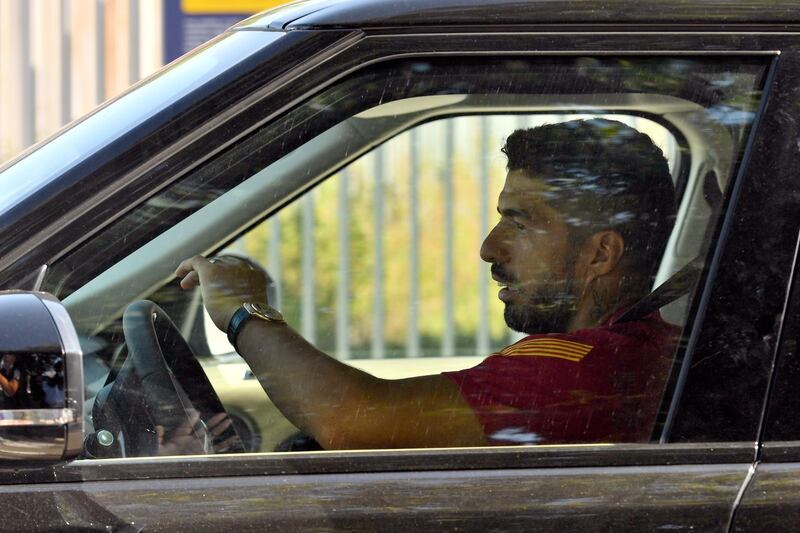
column 602, row 253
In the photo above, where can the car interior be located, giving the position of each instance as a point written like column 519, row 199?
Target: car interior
column 702, row 154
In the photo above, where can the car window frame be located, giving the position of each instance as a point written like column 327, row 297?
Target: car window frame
column 377, row 46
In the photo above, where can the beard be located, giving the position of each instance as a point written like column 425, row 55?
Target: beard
column 548, row 310
column 541, row 315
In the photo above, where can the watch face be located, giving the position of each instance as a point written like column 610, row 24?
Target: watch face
column 265, row 311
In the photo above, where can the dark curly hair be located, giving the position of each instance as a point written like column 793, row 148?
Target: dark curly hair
column 602, row 174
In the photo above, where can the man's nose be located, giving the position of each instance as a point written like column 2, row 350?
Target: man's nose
column 493, row 249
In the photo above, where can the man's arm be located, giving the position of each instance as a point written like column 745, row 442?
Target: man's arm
column 9, row 386
column 338, row 405
column 343, row 407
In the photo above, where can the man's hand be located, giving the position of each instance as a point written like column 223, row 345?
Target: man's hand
column 226, row 283
column 184, row 441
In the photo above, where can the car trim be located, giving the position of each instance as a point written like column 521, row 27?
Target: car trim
column 35, row 417
column 780, row 452
column 327, row 15
column 330, row 462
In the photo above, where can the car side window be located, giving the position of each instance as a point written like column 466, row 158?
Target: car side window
column 484, row 234
column 354, row 261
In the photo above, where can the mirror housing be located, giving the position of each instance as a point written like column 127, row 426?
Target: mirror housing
column 41, row 379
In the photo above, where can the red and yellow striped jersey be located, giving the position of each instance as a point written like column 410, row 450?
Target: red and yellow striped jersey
column 602, row 384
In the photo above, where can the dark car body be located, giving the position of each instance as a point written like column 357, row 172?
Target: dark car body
column 727, row 456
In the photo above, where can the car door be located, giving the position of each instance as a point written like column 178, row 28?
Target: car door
column 769, row 500
column 690, row 474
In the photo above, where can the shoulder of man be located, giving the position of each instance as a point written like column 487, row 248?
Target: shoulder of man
column 646, row 336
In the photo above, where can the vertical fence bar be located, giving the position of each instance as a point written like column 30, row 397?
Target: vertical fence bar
column 151, row 36
column 28, row 81
column 482, row 341
column 274, row 263
column 46, row 42
column 134, row 50
column 343, row 279
column 66, row 64
column 308, row 323
column 378, row 346
column 12, row 71
column 84, row 41
column 100, row 32
column 4, row 121
column 448, row 338
column 413, row 348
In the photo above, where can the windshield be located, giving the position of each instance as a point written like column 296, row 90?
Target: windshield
column 78, row 142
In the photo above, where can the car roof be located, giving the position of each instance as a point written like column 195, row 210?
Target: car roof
column 364, row 14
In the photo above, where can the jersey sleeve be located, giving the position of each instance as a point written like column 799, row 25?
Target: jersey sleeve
column 548, row 390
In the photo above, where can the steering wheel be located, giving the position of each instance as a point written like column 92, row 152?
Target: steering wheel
column 160, row 395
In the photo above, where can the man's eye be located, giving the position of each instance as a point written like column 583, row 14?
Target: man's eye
column 519, row 225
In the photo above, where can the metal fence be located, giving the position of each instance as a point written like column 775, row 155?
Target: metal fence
column 462, row 164
column 59, row 59
column 460, row 154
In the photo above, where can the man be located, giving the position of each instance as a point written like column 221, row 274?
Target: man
column 10, row 378
column 585, row 212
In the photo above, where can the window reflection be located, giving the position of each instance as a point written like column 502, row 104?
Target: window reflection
column 31, row 381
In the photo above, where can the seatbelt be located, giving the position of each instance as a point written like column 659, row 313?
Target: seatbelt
column 679, row 284
column 682, row 281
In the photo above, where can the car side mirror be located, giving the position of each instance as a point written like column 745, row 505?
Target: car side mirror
column 41, row 379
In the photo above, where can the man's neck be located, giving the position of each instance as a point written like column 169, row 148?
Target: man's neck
column 587, row 318
column 598, row 306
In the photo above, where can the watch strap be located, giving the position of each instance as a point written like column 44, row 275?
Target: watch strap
column 238, row 320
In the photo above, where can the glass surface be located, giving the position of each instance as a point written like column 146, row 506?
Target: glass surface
column 31, row 381
column 337, row 220
column 383, row 207
column 79, row 141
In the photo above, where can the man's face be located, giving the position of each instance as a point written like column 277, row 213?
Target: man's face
column 8, row 361
column 531, row 257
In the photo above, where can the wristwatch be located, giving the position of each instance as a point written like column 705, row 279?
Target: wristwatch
column 245, row 313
